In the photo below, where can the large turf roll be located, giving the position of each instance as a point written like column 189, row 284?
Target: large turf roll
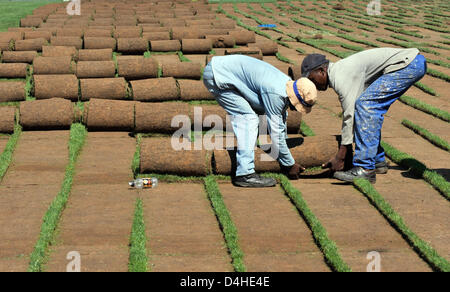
column 222, row 41
column 100, row 43
column 76, row 42
column 7, row 119
column 243, row 37
column 155, row 89
column 165, row 46
column 13, row 70
column 156, row 36
column 19, row 57
column 30, row 22
column 59, row 51
column 103, row 88
column 158, row 156
column 252, row 52
column 196, row 46
column 147, row 29
column 129, row 32
column 37, row 35
column 53, row 65
column 109, row 115
column 49, row 86
column 193, row 90
column 309, row 152
column 156, row 117
column 7, row 46
column 49, row 114
column 30, row 45
column 224, row 24
column 148, row 19
column 95, row 55
column 92, row 32
column 12, row 91
column 267, row 47
column 6, row 36
column 179, row 33
column 208, row 116
column 294, row 121
column 295, row 72
column 96, row 69
column 138, row 68
column 132, row 45
column 70, row 32
column 212, row 31
column 184, row 70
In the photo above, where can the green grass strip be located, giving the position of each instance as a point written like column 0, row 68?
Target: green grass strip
column 51, row 218
column 425, row 107
column 135, row 163
column 420, row 246
column 439, row 63
column 432, row 138
column 426, row 88
column 326, row 245
column 138, row 261
column 226, row 224
column 438, row 74
column 306, row 130
column 6, row 156
column 418, row 168
column 284, row 59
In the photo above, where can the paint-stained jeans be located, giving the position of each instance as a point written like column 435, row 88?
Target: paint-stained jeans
column 373, row 104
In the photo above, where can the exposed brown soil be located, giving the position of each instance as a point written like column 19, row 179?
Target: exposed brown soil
column 35, row 176
column 97, row 221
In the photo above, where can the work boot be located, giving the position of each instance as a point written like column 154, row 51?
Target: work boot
column 354, row 173
column 253, row 181
column 382, row 167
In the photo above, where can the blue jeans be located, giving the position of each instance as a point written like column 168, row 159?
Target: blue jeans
column 244, row 121
column 373, row 104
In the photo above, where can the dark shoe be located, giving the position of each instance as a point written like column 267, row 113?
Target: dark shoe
column 354, row 173
column 382, row 167
column 254, row 181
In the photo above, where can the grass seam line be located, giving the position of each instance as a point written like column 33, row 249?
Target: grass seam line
column 226, row 223
column 138, row 261
column 325, row 244
column 423, row 249
column 426, row 108
column 407, row 161
column 6, row 155
column 51, row 218
column 432, row 138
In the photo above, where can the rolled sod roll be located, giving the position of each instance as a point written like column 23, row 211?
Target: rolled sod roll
column 38, row 34
column 251, row 52
column 132, row 45
column 30, row 22
column 7, row 119
column 59, row 51
column 208, row 116
column 308, row 152
column 294, row 121
column 266, row 47
column 49, row 114
column 19, row 57
column 213, row 31
column 70, row 32
column 100, row 43
column 138, row 68
column 109, row 115
column 158, row 156
column 224, row 24
column 193, row 90
column 155, row 89
column 222, row 41
column 53, row 65
column 156, row 117
column 131, row 32
column 30, row 45
column 6, row 36
column 76, row 42
column 49, row 86
column 185, row 70
column 196, row 46
column 156, row 36
column 243, row 37
column 103, row 88
column 7, row 46
column 13, row 70
column 147, row 29
column 96, row 69
column 95, row 55
column 148, row 19
column 91, row 32
column 12, row 91
column 295, row 72
column 179, row 33
column 165, row 46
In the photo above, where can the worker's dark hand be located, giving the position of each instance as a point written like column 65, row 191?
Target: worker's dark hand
column 335, row 164
column 293, row 171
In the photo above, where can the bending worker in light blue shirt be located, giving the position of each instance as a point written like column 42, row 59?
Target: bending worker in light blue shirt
column 245, row 87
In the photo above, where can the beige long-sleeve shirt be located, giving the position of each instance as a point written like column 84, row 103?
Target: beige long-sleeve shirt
column 351, row 76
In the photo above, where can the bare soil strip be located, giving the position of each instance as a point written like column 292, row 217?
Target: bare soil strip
column 32, row 182
column 357, row 227
column 184, row 235
column 272, row 234
column 98, row 219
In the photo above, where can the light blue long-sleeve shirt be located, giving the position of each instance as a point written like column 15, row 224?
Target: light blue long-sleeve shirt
column 264, row 88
